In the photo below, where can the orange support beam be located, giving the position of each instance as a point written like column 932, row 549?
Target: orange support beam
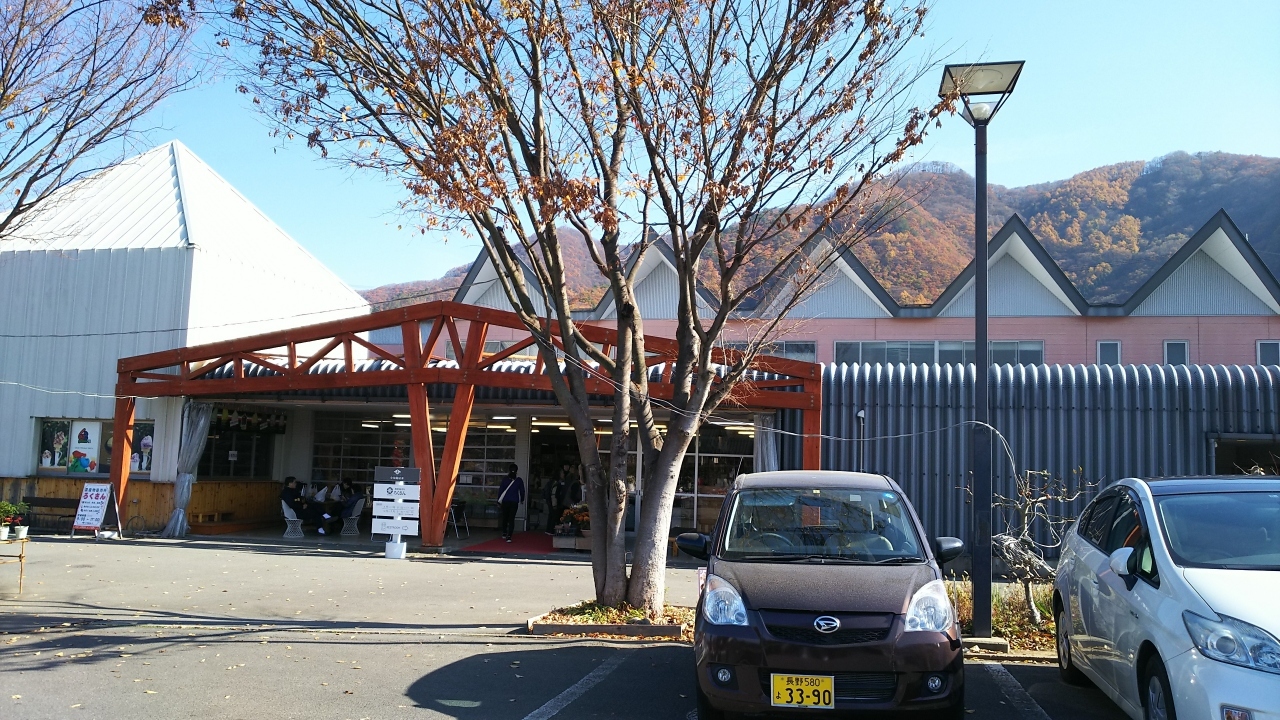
column 420, row 425
column 464, row 399
column 434, row 520
column 122, row 445
column 811, row 419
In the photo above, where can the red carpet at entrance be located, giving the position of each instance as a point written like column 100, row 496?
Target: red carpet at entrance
column 525, row 543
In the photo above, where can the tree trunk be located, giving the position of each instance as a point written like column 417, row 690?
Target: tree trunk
column 1033, row 612
column 648, row 572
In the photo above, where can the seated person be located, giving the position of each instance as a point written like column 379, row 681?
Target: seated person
column 347, row 493
column 309, row 512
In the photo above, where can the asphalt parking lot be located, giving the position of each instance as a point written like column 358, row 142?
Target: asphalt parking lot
column 150, row 630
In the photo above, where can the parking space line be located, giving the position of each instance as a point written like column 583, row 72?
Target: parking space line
column 1014, row 693
column 575, row 691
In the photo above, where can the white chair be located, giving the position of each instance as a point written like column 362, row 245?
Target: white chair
column 350, row 524
column 293, row 523
column 458, row 509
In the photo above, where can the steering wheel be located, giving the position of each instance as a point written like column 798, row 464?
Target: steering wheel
column 775, row 541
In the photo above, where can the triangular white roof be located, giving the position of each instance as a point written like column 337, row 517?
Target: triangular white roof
column 168, row 197
column 136, row 204
column 1023, row 280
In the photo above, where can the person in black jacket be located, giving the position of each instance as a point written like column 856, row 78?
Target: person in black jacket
column 510, row 495
column 310, row 513
column 551, row 494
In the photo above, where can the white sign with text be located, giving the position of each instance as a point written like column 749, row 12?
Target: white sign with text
column 395, row 509
column 395, row 492
column 383, row 526
column 93, row 506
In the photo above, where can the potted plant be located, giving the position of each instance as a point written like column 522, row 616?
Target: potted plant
column 6, row 515
column 579, row 517
column 19, row 520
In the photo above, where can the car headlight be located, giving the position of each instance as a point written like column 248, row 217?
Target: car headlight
column 1234, row 641
column 722, row 605
column 930, row 609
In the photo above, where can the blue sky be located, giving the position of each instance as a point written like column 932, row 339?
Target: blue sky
column 1104, row 82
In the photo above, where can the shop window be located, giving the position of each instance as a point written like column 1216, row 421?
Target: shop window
column 1109, row 352
column 1175, row 352
column 489, row 450
column 946, row 352
column 1269, row 352
column 955, row 352
column 237, row 454
column 849, row 353
column 351, row 445
column 84, row 446
column 803, row 350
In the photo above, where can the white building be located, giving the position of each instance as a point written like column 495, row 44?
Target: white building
column 157, row 253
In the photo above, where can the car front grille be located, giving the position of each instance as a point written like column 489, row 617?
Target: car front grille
column 850, row 687
column 810, row 636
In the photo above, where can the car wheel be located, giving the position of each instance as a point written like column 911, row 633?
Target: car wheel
column 1067, row 669
column 1157, row 696
column 705, row 711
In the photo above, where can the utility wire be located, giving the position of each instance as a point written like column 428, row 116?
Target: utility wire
column 231, row 324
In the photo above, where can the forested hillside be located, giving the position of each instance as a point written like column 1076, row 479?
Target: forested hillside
column 1109, row 228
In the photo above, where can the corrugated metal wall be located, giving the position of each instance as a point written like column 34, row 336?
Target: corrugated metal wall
column 65, row 316
column 1081, row 423
column 1014, row 293
column 1202, row 287
column 839, row 297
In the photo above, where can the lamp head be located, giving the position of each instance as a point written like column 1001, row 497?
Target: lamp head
column 981, row 87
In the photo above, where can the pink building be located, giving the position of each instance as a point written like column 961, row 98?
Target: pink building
column 1212, row 302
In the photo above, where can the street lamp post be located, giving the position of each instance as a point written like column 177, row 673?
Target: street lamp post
column 983, row 89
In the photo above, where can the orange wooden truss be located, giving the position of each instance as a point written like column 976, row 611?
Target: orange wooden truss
column 283, row 361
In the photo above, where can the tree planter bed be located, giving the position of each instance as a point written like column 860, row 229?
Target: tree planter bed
column 536, row 626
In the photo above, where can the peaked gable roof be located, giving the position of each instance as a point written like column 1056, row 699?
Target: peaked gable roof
column 136, row 203
column 1222, row 241
column 1014, row 240
column 482, row 278
column 846, row 265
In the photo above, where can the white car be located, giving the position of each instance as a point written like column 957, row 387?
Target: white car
column 1168, row 598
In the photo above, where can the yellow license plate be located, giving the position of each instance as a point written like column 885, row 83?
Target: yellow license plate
column 804, row 691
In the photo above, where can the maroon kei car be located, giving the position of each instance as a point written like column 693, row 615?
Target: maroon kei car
column 823, row 597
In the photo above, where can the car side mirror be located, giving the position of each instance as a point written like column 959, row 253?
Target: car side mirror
column 946, row 549
column 1120, row 562
column 694, row 544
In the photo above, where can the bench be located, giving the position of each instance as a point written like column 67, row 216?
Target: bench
column 60, row 503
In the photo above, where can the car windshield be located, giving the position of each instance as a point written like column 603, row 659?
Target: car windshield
column 1232, row 530
column 820, row 525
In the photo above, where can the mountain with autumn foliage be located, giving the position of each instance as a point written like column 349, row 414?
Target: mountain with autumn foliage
column 1109, row 228
column 586, row 286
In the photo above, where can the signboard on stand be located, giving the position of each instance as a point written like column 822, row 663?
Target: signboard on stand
column 98, row 508
column 395, row 506
column 396, row 474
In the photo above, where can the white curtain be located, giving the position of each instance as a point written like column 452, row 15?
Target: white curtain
column 195, row 431
column 766, row 456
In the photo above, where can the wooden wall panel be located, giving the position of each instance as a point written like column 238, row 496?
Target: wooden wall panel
column 235, row 500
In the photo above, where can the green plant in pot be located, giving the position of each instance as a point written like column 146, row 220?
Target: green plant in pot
column 19, row 520
column 7, row 511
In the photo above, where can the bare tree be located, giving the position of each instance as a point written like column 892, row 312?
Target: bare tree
column 1034, row 509
column 75, row 80
column 753, row 135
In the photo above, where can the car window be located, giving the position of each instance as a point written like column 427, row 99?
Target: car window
column 1147, row 561
column 1100, row 519
column 1126, row 527
column 1226, row 530
column 852, row 525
